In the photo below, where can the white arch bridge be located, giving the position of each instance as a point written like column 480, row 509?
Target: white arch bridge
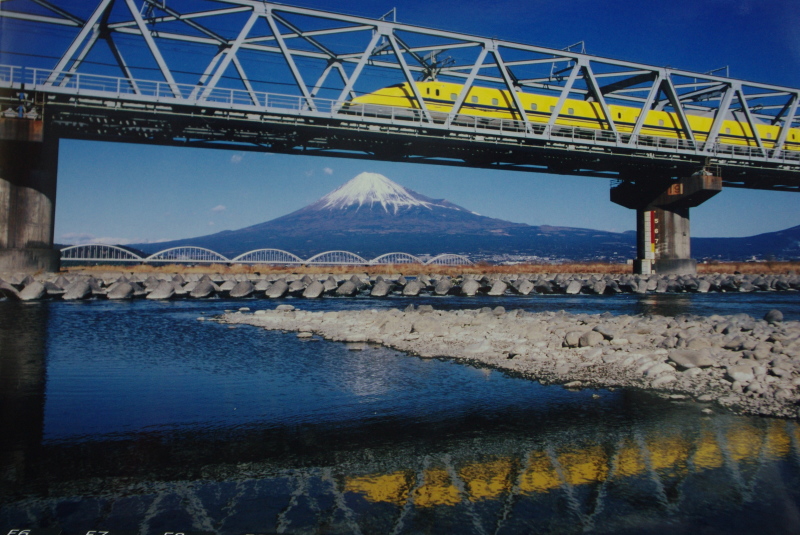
column 100, row 253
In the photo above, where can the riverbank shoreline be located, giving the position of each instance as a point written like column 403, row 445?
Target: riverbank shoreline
column 164, row 286
column 479, row 268
column 739, row 363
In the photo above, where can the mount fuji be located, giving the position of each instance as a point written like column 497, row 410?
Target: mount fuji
column 371, row 215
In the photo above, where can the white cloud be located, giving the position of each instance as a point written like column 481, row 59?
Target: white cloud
column 236, row 158
column 210, row 223
column 309, row 172
column 83, row 238
column 218, row 208
column 328, row 171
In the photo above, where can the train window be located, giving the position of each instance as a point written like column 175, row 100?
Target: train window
column 494, row 102
column 661, row 122
column 475, row 99
column 437, row 92
column 619, row 115
column 769, row 135
column 571, row 111
column 428, row 90
column 792, row 137
column 727, row 130
column 534, row 107
column 453, row 96
column 552, row 108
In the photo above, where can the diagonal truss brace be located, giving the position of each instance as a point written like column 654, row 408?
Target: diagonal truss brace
column 290, row 60
column 787, row 124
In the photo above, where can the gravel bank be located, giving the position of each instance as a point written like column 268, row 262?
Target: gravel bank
column 746, row 365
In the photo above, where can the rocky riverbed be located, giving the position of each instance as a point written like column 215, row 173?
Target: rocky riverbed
column 738, row 362
column 160, row 286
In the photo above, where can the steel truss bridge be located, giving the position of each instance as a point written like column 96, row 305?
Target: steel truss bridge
column 253, row 75
column 200, row 255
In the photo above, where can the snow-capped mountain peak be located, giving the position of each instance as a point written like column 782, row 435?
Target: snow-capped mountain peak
column 370, row 189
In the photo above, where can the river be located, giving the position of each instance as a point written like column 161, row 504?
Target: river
column 136, row 417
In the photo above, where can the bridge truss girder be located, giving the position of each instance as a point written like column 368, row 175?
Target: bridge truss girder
column 564, row 153
column 312, row 54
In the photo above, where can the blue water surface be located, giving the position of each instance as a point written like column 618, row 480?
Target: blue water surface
column 136, row 416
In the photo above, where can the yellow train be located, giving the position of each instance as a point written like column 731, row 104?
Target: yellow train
column 491, row 104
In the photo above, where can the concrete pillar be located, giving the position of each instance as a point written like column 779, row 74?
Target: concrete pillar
column 662, row 220
column 28, row 173
column 663, row 242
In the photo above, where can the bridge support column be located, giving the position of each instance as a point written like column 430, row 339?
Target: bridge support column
column 662, row 220
column 28, row 171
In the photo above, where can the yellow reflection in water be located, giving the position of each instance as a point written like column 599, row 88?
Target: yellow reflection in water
column 438, row 489
column 584, row 466
column 670, row 455
column 708, row 454
column 488, row 480
column 630, row 460
column 541, row 475
column 391, row 488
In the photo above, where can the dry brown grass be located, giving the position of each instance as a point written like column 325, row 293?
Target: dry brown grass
column 417, row 269
column 760, row 268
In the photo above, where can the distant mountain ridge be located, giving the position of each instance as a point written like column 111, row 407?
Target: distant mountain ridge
column 371, row 215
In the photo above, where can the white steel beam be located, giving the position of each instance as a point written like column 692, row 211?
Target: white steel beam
column 674, row 99
column 594, row 87
column 722, row 111
column 151, row 45
column 57, row 10
column 88, row 28
column 183, row 17
column 648, row 105
column 462, row 96
column 186, row 20
column 122, row 64
column 290, row 60
column 787, row 124
column 243, row 75
column 229, row 55
column 402, row 60
column 350, row 82
column 523, row 116
column 564, row 94
column 302, row 35
column 37, row 18
column 746, row 110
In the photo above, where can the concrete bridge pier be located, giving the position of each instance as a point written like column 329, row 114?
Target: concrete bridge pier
column 28, row 171
column 662, row 220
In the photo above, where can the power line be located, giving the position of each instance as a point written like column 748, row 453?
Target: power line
column 188, row 73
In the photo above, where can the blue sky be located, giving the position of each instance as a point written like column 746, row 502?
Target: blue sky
column 134, row 193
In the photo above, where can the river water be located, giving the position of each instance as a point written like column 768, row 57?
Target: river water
column 136, row 417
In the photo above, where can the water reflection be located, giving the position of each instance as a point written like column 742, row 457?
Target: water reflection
column 661, row 467
column 23, row 339
column 261, row 432
column 664, row 305
column 661, row 456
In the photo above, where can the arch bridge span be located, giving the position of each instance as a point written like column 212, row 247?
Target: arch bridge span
column 468, row 101
column 97, row 253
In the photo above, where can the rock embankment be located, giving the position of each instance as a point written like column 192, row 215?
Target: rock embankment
column 117, row 285
column 747, row 365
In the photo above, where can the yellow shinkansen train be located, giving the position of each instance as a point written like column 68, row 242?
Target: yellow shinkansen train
column 491, row 103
